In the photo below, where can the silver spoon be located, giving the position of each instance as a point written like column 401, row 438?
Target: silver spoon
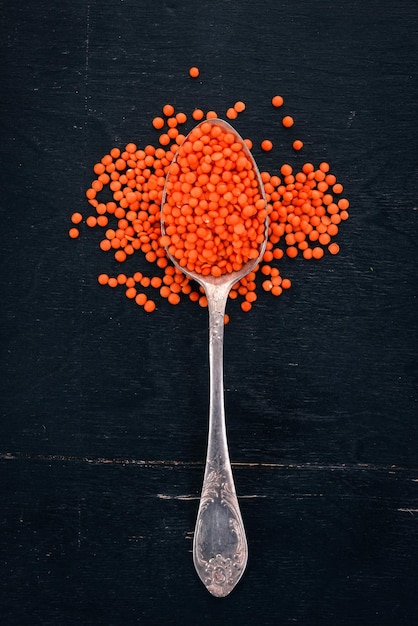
column 219, row 547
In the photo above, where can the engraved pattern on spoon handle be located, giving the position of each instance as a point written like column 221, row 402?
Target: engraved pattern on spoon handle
column 219, row 546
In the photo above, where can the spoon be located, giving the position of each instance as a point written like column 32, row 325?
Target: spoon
column 219, row 546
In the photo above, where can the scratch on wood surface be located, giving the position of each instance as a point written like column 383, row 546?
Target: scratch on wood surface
column 351, row 117
column 170, row 463
column 253, row 495
column 301, row 496
column 86, row 65
column 18, row 456
column 166, row 496
column 79, row 524
column 136, row 537
column 406, row 510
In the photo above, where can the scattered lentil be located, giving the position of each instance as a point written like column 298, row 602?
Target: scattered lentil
column 266, row 145
column 288, row 121
column 303, row 214
column 277, row 101
column 74, row 233
column 194, row 72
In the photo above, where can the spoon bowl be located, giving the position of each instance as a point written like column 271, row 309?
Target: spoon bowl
column 220, row 549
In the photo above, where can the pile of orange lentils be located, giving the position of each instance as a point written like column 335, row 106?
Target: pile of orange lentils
column 214, row 212
column 305, row 210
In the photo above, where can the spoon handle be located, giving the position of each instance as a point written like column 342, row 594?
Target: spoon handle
column 219, row 546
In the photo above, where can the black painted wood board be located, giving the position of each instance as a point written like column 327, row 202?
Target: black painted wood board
column 104, row 408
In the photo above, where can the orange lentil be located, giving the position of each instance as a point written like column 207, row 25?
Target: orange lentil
column 172, row 133
column 266, row 145
column 335, row 219
column 130, row 293
column 239, row 106
column 99, row 168
column 181, row 118
column 198, row 115
column 251, row 296
column 286, row 169
column 194, row 72
column 102, row 220
column 317, row 252
column 149, row 306
column 101, row 208
column 277, row 101
column 168, row 110
column 276, row 290
column 158, row 122
column 91, row 221
column 141, row 299
column 156, row 282
column 105, row 245
column 288, row 121
column 106, row 160
column 74, row 233
column 76, row 218
column 300, row 205
column 217, row 243
column 164, row 139
column 103, row 279
column 330, row 179
column 173, row 298
column 194, row 296
column 332, row 229
column 97, row 185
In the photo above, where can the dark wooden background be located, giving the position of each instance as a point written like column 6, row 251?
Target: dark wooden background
column 104, row 408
